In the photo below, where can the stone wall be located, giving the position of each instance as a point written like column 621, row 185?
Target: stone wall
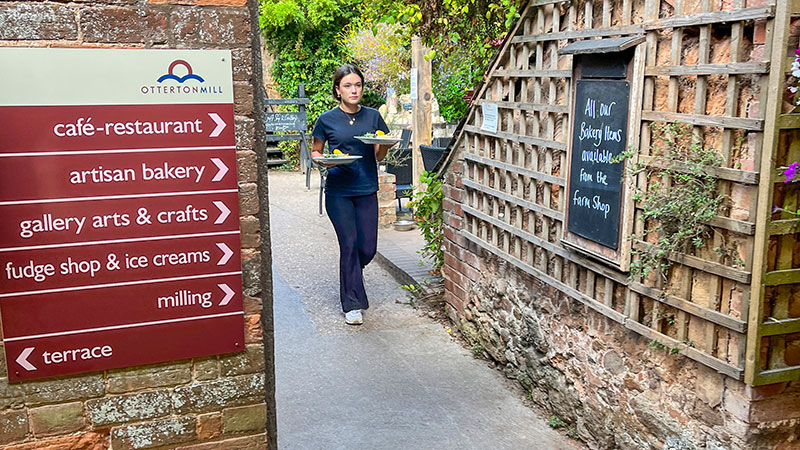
column 617, row 389
column 200, row 404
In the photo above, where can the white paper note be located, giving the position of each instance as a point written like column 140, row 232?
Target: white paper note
column 489, row 113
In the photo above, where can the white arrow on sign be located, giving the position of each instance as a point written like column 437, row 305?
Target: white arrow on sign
column 228, row 294
column 22, row 359
column 224, row 212
column 222, row 169
column 220, row 124
column 226, row 253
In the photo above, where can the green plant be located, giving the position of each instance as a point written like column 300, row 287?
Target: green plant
column 680, row 199
column 453, row 75
column 572, row 433
column 656, row 345
column 477, row 350
column 291, row 153
column 555, row 422
column 659, row 314
column 413, row 291
column 302, row 37
column 397, row 158
column 427, row 207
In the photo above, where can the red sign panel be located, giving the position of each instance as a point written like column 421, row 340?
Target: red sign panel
column 119, row 227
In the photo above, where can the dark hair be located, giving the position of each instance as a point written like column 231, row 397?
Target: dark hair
column 343, row 71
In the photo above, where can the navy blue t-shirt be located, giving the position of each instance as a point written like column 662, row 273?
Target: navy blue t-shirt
column 360, row 177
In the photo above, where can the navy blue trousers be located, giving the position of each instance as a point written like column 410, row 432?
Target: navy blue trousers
column 355, row 220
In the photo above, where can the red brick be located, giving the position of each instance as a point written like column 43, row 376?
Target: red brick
column 209, row 426
column 252, row 329
column 251, row 270
column 251, row 231
column 242, row 99
column 242, row 64
column 450, row 260
column 760, row 32
column 221, row 2
column 470, row 273
column 171, row 2
column 455, row 236
column 158, row 433
column 245, row 129
column 252, row 305
column 210, row 26
column 51, row 420
column 123, row 25
column 248, row 199
column 457, row 290
column 257, row 442
column 453, row 193
column 246, row 166
column 37, row 21
column 95, row 440
column 13, row 426
column 456, row 303
column 454, row 221
column 447, row 204
column 454, row 276
column 472, row 259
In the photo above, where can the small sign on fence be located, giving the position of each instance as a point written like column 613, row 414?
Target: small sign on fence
column 286, row 121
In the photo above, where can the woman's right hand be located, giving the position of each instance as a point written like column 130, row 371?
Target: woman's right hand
column 315, row 154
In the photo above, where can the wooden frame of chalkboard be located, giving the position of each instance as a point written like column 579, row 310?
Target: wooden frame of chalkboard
column 598, row 213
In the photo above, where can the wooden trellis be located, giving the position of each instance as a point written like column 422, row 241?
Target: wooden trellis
column 704, row 63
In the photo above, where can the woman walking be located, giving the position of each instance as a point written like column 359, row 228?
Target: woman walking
column 351, row 190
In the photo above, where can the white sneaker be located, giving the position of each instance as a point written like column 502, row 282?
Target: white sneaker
column 353, row 317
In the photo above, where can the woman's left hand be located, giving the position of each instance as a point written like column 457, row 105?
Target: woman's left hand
column 381, row 150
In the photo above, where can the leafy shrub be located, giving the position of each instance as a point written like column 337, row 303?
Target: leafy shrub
column 427, row 206
column 382, row 53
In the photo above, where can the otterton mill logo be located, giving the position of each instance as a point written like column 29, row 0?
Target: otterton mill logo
column 170, row 75
column 170, row 88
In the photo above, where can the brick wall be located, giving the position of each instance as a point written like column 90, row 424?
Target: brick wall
column 200, row 404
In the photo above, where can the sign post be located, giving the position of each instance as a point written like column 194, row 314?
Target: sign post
column 119, row 230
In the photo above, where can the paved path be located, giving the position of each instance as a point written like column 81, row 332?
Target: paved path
column 397, row 382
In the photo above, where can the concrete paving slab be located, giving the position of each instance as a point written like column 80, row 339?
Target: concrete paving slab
column 399, row 381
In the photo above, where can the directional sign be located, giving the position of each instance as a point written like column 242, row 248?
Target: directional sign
column 119, row 230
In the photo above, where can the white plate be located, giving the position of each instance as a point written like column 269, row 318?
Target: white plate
column 378, row 140
column 339, row 160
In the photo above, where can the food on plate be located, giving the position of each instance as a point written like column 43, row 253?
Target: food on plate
column 377, row 134
column 337, row 154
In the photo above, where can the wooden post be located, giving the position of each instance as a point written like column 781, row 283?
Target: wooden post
column 421, row 106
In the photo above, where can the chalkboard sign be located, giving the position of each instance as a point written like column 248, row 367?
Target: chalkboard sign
column 289, row 121
column 599, row 134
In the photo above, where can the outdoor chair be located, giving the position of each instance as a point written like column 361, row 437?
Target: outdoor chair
column 431, row 156
column 403, row 174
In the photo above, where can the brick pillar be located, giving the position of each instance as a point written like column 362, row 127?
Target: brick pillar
column 386, row 200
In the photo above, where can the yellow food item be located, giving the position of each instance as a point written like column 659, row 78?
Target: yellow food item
column 379, row 133
column 337, row 152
